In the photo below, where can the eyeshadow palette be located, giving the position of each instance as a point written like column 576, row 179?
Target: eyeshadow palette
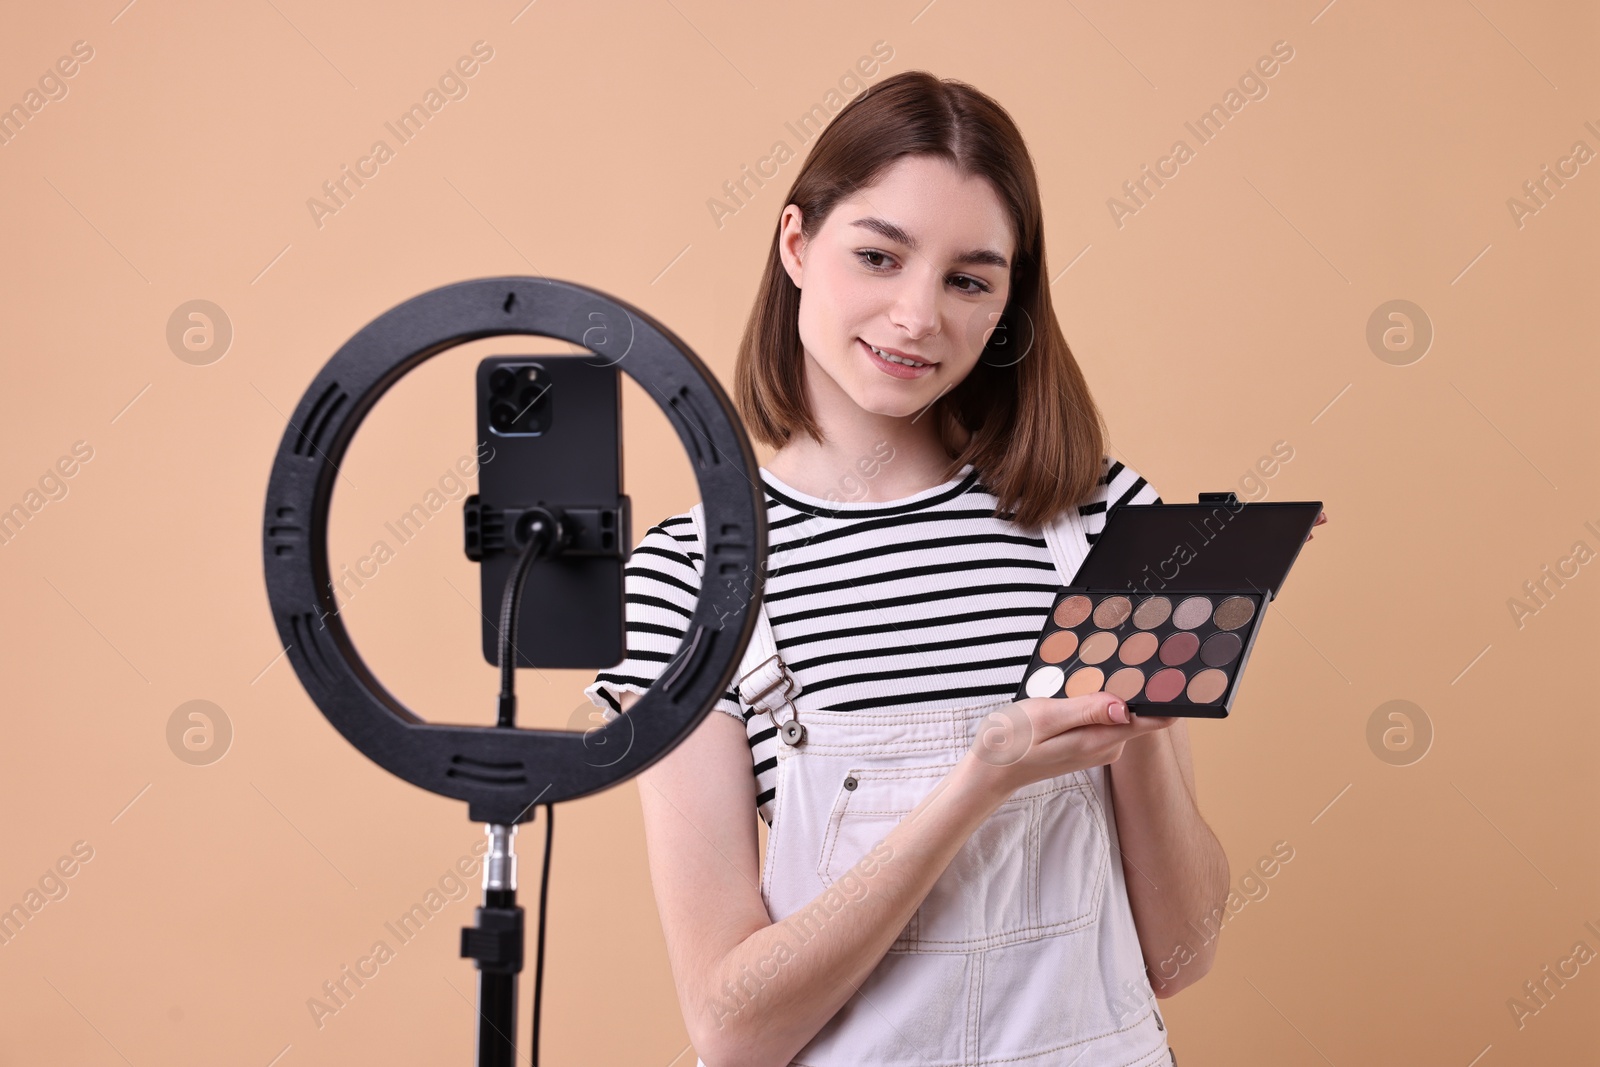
column 1173, row 650
column 1166, row 607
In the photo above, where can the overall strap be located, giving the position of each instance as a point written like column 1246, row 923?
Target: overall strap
column 763, row 680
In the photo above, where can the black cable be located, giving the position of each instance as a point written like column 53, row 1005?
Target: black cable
column 544, row 894
column 542, row 532
column 545, row 531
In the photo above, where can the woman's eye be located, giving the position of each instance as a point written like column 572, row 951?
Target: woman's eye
column 870, row 257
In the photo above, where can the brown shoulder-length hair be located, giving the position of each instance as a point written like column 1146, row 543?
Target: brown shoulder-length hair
column 1036, row 436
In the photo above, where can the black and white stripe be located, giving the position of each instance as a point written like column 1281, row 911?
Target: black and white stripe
column 921, row 603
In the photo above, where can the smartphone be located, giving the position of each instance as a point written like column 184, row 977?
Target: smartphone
column 555, row 426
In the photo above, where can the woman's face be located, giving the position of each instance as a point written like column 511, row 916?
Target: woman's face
column 919, row 263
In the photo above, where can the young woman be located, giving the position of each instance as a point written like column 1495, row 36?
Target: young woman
column 950, row 876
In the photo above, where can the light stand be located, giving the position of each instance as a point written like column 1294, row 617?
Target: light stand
column 496, row 943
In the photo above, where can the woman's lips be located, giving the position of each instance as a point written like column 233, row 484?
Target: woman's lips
column 894, row 370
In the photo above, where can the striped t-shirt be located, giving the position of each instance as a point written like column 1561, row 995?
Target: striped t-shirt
column 909, row 604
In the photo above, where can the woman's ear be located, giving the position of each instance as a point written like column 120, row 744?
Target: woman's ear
column 792, row 243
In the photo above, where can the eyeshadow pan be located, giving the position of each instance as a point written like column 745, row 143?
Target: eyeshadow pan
column 1207, row 686
column 1137, row 647
column 1073, row 610
column 1085, row 680
column 1179, row 648
column 1113, row 612
column 1219, row 649
column 1125, row 683
column 1191, row 613
column 1097, row 647
column 1152, row 613
column 1234, row 612
column 1045, row 682
column 1164, row 685
column 1058, row 646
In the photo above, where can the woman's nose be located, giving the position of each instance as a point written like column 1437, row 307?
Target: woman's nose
column 916, row 306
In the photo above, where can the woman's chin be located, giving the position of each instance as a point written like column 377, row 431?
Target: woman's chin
column 892, row 406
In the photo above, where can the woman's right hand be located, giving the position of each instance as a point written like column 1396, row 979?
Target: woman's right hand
column 1040, row 737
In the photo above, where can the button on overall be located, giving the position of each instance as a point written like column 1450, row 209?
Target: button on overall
column 1024, row 952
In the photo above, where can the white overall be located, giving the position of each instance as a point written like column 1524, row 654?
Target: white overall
column 1023, row 953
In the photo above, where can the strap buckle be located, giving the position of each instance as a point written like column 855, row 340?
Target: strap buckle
column 792, row 732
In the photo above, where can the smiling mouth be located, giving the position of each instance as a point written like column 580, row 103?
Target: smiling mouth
column 899, row 361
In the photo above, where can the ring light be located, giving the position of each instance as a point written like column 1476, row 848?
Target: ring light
column 502, row 772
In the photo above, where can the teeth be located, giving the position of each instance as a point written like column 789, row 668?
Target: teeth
column 896, row 359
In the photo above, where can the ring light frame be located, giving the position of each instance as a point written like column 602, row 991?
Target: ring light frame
column 503, row 772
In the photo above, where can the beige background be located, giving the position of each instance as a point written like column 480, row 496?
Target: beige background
column 1228, row 314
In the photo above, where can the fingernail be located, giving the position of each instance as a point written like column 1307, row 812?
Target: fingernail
column 1119, row 711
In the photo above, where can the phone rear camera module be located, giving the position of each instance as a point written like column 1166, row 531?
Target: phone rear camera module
column 519, row 400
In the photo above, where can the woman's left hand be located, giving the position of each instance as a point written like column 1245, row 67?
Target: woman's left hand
column 1322, row 517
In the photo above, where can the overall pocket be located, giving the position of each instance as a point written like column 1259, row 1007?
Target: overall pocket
column 1036, row 867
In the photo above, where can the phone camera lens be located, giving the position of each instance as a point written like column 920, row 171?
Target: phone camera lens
column 502, row 380
column 501, row 416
